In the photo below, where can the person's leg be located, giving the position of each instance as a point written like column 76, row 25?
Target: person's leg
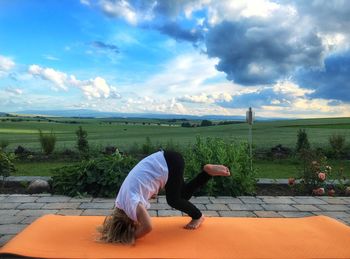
column 175, row 184
column 200, row 180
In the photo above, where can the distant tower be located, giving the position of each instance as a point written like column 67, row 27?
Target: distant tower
column 250, row 120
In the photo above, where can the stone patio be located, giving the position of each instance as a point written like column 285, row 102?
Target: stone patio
column 18, row 211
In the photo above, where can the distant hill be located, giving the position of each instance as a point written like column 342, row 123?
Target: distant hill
column 85, row 113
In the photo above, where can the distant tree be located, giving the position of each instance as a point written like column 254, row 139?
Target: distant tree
column 82, row 142
column 206, row 123
column 186, row 124
column 302, row 142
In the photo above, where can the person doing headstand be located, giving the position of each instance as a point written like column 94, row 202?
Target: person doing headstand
column 163, row 169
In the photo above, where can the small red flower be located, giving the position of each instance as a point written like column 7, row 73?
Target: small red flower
column 331, row 192
column 322, row 176
column 291, row 181
column 318, row 191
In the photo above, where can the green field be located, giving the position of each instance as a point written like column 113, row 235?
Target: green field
column 103, row 132
column 125, row 133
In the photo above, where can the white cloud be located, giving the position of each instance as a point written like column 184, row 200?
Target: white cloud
column 50, row 57
column 206, row 98
column 15, row 91
column 92, row 88
column 58, row 78
column 120, row 9
column 85, row 2
column 6, row 64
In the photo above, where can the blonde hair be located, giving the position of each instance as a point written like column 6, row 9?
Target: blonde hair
column 118, row 228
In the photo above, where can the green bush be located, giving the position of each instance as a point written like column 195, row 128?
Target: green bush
column 47, row 141
column 82, row 142
column 3, row 144
column 148, row 147
column 6, row 165
column 233, row 154
column 303, row 141
column 99, row 177
column 337, row 143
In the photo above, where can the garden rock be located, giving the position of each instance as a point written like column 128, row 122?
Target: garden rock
column 38, row 186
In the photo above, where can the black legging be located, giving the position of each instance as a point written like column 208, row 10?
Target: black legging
column 177, row 191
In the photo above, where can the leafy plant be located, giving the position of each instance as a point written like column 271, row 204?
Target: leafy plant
column 6, row 165
column 3, row 144
column 314, row 172
column 303, row 141
column 82, row 142
column 337, row 143
column 99, row 177
column 232, row 154
column 148, row 147
column 47, row 141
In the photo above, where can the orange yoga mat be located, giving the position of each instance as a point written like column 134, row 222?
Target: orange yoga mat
column 54, row 236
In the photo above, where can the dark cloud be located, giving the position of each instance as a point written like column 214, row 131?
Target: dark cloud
column 102, row 45
column 327, row 16
column 173, row 30
column 262, row 97
column 330, row 82
column 253, row 52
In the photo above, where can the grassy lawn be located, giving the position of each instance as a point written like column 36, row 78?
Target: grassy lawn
column 287, row 168
column 37, row 168
column 266, row 169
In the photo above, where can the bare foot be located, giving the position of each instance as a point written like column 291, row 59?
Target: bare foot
column 216, row 170
column 194, row 223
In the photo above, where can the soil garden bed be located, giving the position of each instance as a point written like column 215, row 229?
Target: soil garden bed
column 261, row 189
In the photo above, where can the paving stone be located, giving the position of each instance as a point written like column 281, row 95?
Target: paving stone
column 152, row 213
column 97, row 205
column 200, row 199
column 9, row 205
column 278, row 207
column 237, row 214
column 295, row 214
column 95, row 212
column 333, row 214
column 307, row 207
column 4, row 239
column 168, row 213
column 81, row 200
column 309, row 200
column 30, row 220
column 2, row 198
column 60, row 206
column 216, row 207
column 20, row 199
column 210, row 213
column 334, row 207
column 54, row 199
column 267, row 214
column 334, row 200
column 160, row 206
column 8, row 212
column 250, row 200
column 70, row 212
column 250, row 206
column 11, row 219
column 36, row 212
column 103, row 200
column 161, row 199
column 11, row 229
column 31, row 206
column 225, row 200
column 278, row 200
column 346, row 199
column 42, row 195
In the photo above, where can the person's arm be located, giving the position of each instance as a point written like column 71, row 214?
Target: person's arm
column 144, row 220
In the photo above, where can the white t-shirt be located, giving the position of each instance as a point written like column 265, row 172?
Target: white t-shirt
column 143, row 181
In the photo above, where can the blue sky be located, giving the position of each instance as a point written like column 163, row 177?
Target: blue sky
column 286, row 58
